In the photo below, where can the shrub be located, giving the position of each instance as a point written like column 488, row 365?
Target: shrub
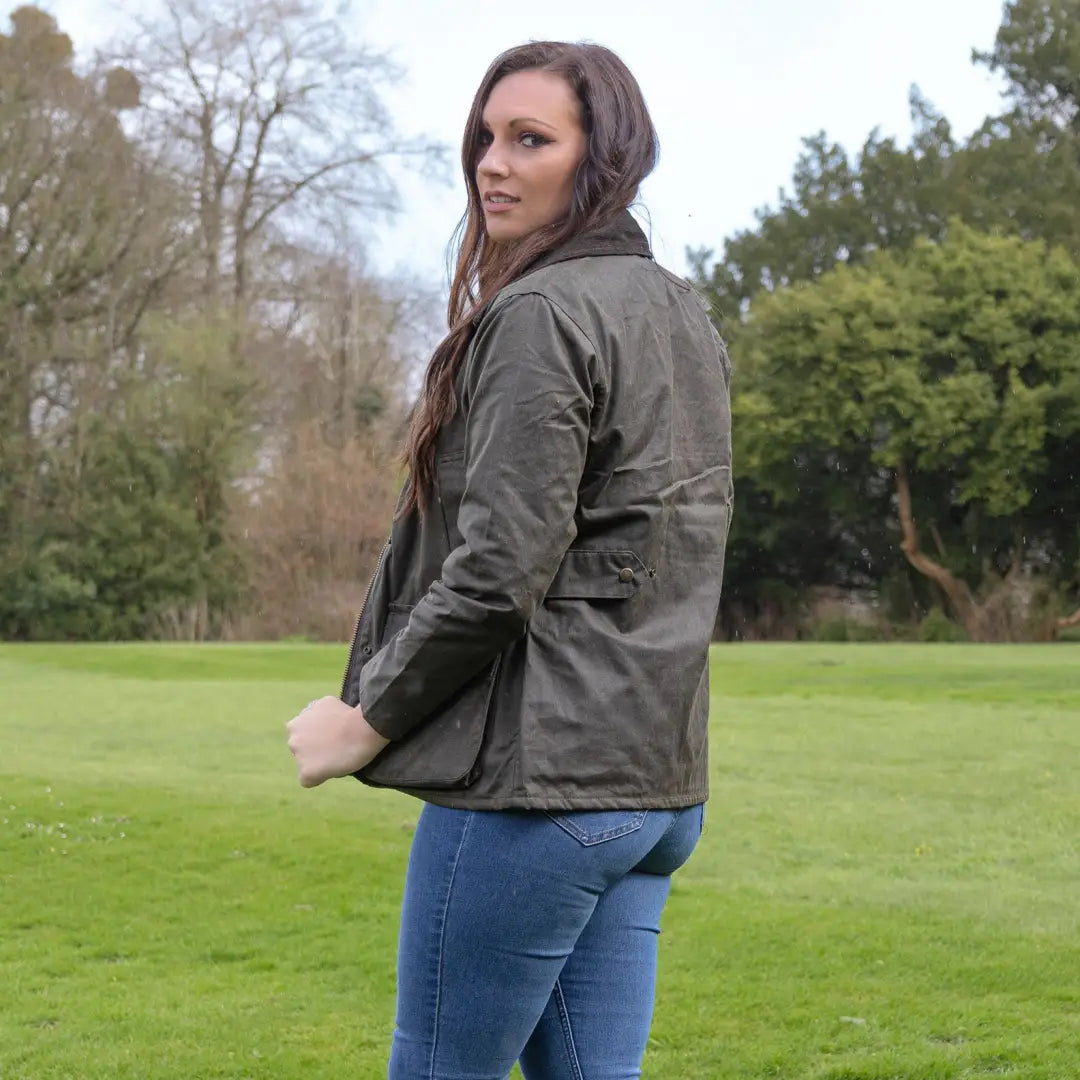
column 937, row 626
column 839, row 628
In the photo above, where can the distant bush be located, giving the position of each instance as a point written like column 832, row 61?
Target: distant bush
column 839, row 628
column 937, row 626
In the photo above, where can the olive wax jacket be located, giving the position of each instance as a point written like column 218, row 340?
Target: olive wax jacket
column 538, row 637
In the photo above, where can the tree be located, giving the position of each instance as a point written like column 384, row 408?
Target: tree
column 348, row 342
column 85, row 248
column 129, row 531
column 839, row 211
column 1037, row 49
column 82, row 239
column 1019, row 173
column 316, row 515
column 177, row 341
column 1031, row 153
column 273, row 117
column 955, row 371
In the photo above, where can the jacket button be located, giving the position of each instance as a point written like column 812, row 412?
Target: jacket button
column 626, row 574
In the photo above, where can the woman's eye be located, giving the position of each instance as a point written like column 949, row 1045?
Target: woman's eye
column 484, row 138
column 532, row 141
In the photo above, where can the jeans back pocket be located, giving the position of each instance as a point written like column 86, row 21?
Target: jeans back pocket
column 590, row 827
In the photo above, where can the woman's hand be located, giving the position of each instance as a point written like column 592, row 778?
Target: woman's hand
column 329, row 739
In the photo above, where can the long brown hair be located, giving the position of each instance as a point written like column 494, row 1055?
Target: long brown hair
column 622, row 150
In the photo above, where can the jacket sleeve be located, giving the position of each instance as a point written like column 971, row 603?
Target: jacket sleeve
column 529, row 384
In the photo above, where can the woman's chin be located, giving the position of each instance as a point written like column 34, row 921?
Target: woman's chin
column 502, row 232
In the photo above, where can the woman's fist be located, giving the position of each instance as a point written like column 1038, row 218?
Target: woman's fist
column 329, row 739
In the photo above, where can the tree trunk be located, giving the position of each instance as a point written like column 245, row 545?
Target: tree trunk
column 957, row 591
column 210, row 213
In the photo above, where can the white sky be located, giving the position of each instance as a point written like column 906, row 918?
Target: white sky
column 732, row 86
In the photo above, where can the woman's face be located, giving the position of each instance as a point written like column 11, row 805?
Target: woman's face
column 531, row 143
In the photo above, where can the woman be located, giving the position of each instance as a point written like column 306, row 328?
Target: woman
column 532, row 658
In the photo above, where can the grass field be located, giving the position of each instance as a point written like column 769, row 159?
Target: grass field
column 888, row 887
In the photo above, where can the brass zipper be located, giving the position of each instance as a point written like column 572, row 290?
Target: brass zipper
column 360, row 615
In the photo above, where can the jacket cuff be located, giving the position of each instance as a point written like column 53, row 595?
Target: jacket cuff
column 369, row 708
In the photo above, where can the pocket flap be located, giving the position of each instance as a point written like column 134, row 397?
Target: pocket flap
column 597, row 575
column 441, row 752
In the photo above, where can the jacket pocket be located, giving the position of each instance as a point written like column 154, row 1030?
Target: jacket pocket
column 441, row 752
column 450, row 485
column 591, row 827
column 585, row 574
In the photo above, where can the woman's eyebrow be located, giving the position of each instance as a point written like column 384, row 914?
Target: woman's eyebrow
column 524, row 120
column 531, row 120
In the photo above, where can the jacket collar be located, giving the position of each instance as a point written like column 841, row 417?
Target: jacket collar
column 620, row 236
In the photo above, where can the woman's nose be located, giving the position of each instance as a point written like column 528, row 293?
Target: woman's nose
column 493, row 163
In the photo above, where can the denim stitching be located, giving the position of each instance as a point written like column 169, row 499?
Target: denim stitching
column 564, row 1020
column 589, row 839
column 442, row 939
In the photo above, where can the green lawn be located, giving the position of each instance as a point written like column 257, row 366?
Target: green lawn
column 888, row 885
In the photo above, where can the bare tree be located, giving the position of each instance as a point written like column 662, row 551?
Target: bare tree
column 273, row 116
column 314, row 526
column 337, row 379
column 357, row 342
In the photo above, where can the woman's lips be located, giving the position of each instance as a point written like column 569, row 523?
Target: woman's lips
column 499, row 207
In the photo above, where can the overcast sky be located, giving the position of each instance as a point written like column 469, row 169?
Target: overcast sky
column 732, row 86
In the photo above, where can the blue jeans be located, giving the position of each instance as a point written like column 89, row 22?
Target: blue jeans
column 532, row 937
